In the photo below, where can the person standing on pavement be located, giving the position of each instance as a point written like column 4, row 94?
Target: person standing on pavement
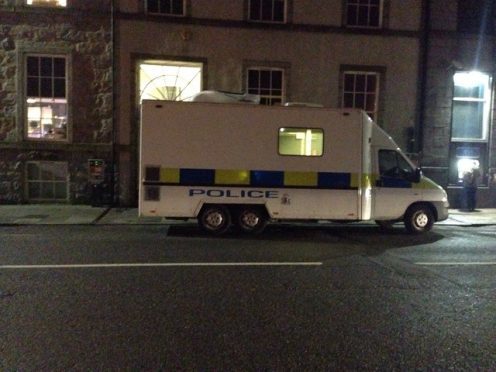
column 470, row 188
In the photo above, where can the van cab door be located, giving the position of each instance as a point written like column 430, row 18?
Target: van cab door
column 394, row 189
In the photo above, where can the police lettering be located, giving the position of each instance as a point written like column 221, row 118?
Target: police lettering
column 218, row 193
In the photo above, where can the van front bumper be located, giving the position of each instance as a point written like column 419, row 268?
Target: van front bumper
column 441, row 210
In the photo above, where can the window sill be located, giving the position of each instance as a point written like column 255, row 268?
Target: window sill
column 267, row 22
column 360, row 27
column 165, row 15
column 44, row 8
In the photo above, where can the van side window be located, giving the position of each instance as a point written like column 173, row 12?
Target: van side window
column 392, row 164
column 301, row 141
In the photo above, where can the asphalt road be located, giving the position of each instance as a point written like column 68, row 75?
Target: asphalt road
column 295, row 298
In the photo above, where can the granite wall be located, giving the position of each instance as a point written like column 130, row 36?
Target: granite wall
column 82, row 33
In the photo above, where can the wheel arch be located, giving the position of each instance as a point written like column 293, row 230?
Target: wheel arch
column 427, row 204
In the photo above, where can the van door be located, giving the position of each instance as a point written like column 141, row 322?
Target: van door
column 393, row 191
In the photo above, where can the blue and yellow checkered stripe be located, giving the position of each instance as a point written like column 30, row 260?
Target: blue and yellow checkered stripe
column 254, row 178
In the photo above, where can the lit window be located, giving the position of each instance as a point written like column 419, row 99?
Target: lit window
column 364, row 13
column 47, row 180
column 166, row 7
column 268, row 83
column 267, row 10
column 301, row 141
column 471, row 106
column 46, row 98
column 62, row 3
column 360, row 90
column 169, row 80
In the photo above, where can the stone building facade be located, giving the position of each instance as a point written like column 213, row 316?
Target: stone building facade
column 331, row 52
column 56, row 110
column 73, row 73
column 458, row 123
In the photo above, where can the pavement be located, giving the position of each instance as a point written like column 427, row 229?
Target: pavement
column 61, row 214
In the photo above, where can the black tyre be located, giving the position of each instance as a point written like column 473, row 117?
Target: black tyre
column 252, row 220
column 215, row 219
column 419, row 219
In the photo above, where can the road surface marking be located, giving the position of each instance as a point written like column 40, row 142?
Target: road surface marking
column 474, row 263
column 159, row 264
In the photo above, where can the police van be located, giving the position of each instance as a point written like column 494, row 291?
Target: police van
column 239, row 164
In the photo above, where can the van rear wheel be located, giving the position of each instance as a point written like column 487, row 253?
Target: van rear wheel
column 252, row 220
column 215, row 219
column 419, row 219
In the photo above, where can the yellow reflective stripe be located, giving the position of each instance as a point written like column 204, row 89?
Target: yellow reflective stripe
column 232, row 177
column 370, row 181
column 169, row 175
column 354, row 180
column 301, row 179
column 366, row 181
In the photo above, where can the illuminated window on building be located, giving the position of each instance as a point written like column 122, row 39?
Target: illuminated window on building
column 166, row 7
column 267, row 10
column 361, row 90
column 364, row 13
column 47, row 181
column 62, row 3
column 471, row 106
column 169, row 80
column 301, row 141
column 268, row 83
column 46, row 98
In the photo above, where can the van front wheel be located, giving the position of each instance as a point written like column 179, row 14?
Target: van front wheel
column 418, row 219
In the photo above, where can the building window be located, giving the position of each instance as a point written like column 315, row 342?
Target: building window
column 301, row 141
column 471, row 106
column 364, row 13
column 267, row 11
column 170, row 80
column 46, row 98
column 166, row 7
column 61, row 3
column 361, row 90
column 471, row 110
column 268, row 83
column 47, row 181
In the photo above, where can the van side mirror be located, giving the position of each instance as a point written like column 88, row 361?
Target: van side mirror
column 417, row 175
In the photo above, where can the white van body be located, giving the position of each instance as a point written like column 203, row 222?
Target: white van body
column 246, row 164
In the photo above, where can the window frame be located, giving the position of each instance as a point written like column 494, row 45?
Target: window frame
column 168, row 63
column 486, row 101
column 302, row 128
column 270, row 96
column 29, row 181
column 356, row 3
column 24, row 106
column 184, row 13
column 272, row 20
column 376, row 92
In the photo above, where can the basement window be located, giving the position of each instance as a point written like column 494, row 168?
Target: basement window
column 47, row 181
